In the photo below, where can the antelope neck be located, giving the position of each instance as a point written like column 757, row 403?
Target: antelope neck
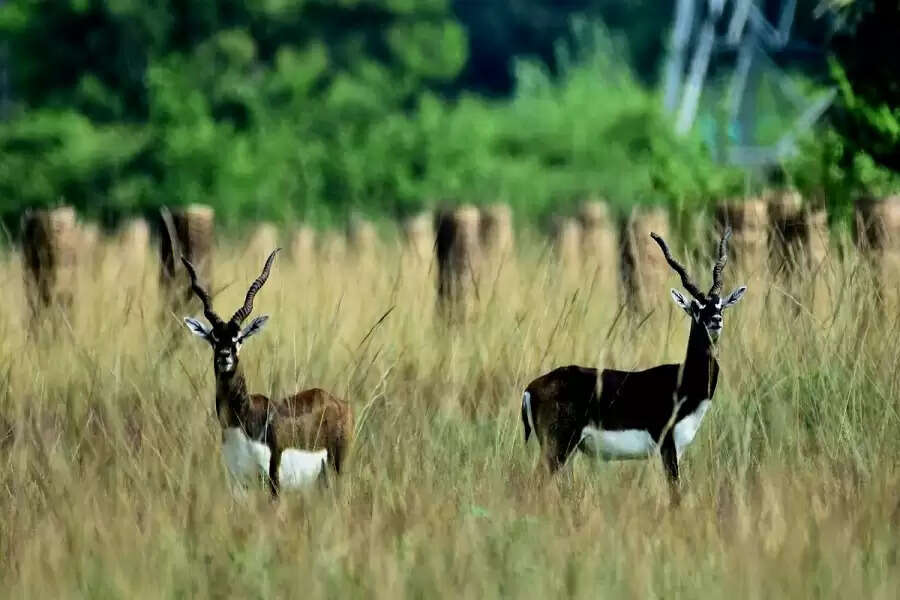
column 231, row 396
column 698, row 378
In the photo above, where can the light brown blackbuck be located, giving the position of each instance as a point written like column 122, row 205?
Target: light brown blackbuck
column 288, row 442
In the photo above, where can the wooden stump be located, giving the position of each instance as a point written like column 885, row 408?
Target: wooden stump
column 800, row 239
column 878, row 237
column 49, row 251
column 818, row 237
column 496, row 230
column 263, row 240
column 134, row 235
column 599, row 247
column 566, row 233
column 132, row 243
column 786, row 247
column 878, row 222
column 748, row 249
column 818, row 246
column 799, row 245
column 418, row 237
column 332, row 248
column 90, row 248
column 303, row 245
column 644, row 268
column 192, row 235
column 362, row 239
column 458, row 257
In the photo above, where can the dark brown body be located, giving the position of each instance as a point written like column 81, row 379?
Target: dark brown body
column 634, row 413
column 567, row 399
column 561, row 404
column 309, row 420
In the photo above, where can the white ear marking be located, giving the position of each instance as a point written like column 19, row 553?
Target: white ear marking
column 735, row 296
column 681, row 301
column 679, row 298
column 253, row 328
column 196, row 327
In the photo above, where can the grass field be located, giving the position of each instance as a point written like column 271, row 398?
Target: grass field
column 113, row 486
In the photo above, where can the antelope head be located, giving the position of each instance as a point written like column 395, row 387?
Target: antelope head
column 705, row 309
column 226, row 337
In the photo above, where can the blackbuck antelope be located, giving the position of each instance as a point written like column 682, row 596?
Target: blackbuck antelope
column 618, row 415
column 288, row 442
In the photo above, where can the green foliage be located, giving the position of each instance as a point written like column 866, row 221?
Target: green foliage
column 55, row 154
column 500, row 31
column 858, row 153
column 866, row 117
column 309, row 110
column 257, row 109
column 870, row 120
column 829, row 171
column 593, row 129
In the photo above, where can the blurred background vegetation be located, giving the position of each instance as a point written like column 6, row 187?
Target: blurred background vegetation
column 313, row 109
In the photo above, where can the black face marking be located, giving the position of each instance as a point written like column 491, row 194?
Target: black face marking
column 225, row 347
column 709, row 313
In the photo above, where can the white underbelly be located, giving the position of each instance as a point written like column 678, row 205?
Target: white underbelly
column 625, row 444
column 247, row 461
column 686, row 429
column 300, row 467
column 622, row 444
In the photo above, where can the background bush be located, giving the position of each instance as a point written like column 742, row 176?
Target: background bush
column 284, row 109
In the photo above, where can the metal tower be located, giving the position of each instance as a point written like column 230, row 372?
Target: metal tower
column 745, row 34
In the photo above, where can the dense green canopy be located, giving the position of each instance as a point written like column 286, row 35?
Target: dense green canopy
column 313, row 108
column 867, row 66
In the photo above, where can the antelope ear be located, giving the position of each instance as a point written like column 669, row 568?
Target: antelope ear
column 681, row 301
column 253, row 328
column 197, row 327
column 734, row 297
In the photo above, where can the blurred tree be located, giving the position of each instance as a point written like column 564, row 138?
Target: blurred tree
column 866, row 65
column 284, row 108
column 502, row 30
column 167, row 100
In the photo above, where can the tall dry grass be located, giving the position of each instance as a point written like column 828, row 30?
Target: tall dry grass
column 112, row 483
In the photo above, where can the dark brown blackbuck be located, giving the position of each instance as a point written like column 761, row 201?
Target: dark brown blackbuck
column 287, row 443
column 620, row 415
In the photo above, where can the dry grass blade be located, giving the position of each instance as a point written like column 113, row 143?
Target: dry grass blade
column 112, row 482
